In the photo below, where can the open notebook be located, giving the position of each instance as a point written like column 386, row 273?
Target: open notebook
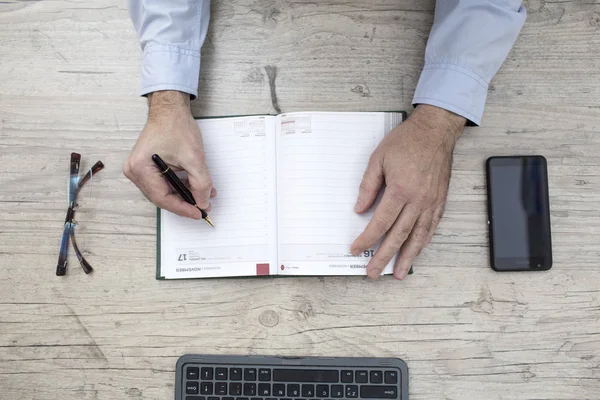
column 286, row 188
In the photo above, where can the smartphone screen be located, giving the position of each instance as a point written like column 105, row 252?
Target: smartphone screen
column 518, row 213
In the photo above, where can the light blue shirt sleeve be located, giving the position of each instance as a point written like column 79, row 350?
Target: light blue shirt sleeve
column 469, row 41
column 171, row 34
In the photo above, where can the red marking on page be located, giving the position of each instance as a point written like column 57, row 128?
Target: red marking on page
column 262, row 269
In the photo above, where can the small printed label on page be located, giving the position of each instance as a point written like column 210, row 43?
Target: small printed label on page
column 250, row 127
column 296, row 124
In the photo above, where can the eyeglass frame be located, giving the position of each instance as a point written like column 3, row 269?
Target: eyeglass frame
column 75, row 185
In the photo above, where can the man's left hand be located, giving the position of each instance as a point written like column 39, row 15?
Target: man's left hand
column 413, row 164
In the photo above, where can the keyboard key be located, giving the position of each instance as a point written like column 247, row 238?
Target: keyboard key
column 192, row 373
column 351, row 391
column 250, row 389
column 279, row 390
column 213, row 398
column 378, row 392
column 322, row 391
column 191, row 387
column 250, row 374
column 235, row 389
column 206, row 374
column 206, row 388
column 391, row 377
column 305, row 375
column 293, row 390
column 362, row 377
column 308, row 390
column 376, row 377
column 227, row 398
column 264, row 389
column 337, row 391
column 235, row 374
column 195, row 398
column 221, row 388
column 347, row 376
column 264, row 374
column 221, row 374
column 242, row 398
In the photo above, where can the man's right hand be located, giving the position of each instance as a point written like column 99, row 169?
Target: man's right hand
column 172, row 133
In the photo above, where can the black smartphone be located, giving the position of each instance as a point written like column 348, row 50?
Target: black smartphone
column 518, row 213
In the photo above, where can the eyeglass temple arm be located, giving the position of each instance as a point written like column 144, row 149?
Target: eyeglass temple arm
column 61, row 266
column 95, row 169
column 87, row 268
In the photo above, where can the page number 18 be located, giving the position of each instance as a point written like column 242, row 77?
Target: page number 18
column 369, row 253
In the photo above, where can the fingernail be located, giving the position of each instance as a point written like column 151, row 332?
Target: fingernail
column 354, row 251
column 358, row 206
column 400, row 276
column 373, row 273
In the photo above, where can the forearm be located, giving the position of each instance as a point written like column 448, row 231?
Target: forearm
column 168, row 104
column 469, row 41
column 438, row 119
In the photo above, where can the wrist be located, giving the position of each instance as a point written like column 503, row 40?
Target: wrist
column 438, row 121
column 168, row 103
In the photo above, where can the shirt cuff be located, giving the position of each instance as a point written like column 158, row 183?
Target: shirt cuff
column 170, row 68
column 454, row 88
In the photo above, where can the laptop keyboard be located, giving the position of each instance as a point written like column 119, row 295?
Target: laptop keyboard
column 218, row 382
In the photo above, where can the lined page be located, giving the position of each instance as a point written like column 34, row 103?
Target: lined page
column 321, row 161
column 240, row 154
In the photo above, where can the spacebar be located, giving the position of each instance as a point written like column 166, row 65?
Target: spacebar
column 305, row 375
column 378, row 392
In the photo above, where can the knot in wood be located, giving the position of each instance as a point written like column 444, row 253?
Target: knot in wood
column 268, row 318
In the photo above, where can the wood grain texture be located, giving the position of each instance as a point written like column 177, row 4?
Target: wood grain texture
column 69, row 82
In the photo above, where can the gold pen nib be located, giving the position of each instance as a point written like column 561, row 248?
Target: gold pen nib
column 208, row 221
column 207, row 218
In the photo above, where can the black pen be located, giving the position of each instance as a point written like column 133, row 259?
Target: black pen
column 183, row 191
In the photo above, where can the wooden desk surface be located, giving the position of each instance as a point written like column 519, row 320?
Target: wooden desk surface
column 69, row 82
